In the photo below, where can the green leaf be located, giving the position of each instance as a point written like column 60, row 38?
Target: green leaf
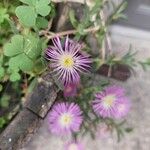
column 26, row 15
column 26, row 64
column 24, row 53
column 2, row 72
column 39, row 66
column 22, row 62
column 1, row 87
column 122, row 7
column 15, row 76
column 29, row 2
column 32, row 85
column 80, row 29
column 41, row 23
column 42, row 7
column 1, row 59
column 14, row 64
column 32, row 46
column 15, row 47
column 2, row 122
column 4, row 101
column 3, row 14
column 73, row 20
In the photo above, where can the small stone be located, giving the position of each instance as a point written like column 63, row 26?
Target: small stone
column 9, row 139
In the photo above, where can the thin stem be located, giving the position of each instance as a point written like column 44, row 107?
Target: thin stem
column 108, row 39
column 91, row 29
column 103, row 49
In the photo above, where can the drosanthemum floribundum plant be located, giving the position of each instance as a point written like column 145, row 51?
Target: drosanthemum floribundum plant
column 65, row 118
column 70, row 90
column 67, row 60
column 74, row 146
column 111, row 103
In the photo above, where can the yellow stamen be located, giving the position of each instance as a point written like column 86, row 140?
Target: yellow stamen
column 67, row 61
column 65, row 119
column 108, row 101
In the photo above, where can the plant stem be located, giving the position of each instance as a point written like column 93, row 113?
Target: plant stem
column 91, row 29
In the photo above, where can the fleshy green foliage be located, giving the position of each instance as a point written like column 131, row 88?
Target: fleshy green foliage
column 145, row 64
column 127, row 59
column 118, row 14
column 23, row 52
column 29, row 12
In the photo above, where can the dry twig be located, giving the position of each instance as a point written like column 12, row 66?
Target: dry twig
column 91, row 29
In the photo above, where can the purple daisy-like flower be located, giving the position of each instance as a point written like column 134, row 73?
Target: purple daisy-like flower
column 70, row 90
column 65, row 118
column 67, row 60
column 107, row 102
column 74, row 146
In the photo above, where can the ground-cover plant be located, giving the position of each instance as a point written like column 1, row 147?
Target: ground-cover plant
column 29, row 47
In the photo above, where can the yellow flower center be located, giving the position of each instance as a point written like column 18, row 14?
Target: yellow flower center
column 65, row 119
column 108, row 101
column 73, row 147
column 67, row 61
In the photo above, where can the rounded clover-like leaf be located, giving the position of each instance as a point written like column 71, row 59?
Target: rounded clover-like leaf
column 22, row 62
column 27, row 15
column 15, row 76
column 15, row 47
column 23, row 53
column 41, row 23
column 29, row 2
column 42, row 7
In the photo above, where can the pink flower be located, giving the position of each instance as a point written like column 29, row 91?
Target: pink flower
column 67, row 60
column 74, row 146
column 107, row 103
column 123, row 108
column 65, row 118
column 70, row 90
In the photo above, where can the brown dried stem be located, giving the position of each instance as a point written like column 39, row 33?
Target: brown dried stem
column 91, row 29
